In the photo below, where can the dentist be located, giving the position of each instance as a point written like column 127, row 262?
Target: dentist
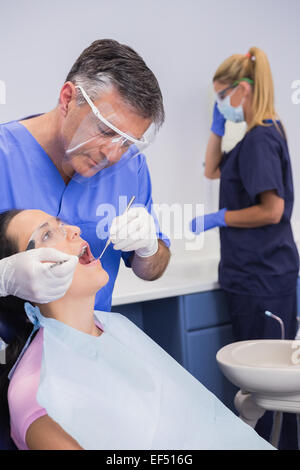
column 77, row 162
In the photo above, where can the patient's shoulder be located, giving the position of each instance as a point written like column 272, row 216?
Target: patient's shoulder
column 30, row 362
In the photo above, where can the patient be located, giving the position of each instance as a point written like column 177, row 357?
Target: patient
column 132, row 396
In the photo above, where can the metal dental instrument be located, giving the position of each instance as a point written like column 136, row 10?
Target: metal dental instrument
column 109, row 241
column 58, row 263
column 31, row 246
column 106, row 245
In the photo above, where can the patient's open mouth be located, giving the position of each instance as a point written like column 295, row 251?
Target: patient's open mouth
column 85, row 255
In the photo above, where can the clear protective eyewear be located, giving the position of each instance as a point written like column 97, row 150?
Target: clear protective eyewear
column 221, row 95
column 121, row 137
column 97, row 144
column 48, row 235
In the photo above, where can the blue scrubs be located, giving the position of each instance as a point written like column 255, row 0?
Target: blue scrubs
column 261, row 261
column 259, row 266
column 30, row 180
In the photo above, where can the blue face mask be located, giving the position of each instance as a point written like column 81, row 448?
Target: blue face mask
column 229, row 112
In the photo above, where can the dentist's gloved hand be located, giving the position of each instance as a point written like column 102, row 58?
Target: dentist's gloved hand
column 28, row 275
column 208, row 221
column 218, row 124
column 135, row 231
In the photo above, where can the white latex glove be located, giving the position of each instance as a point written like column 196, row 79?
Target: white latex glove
column 135, row 231
column 28, row 275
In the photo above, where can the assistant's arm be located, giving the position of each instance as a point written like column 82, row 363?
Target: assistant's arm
column 268, row 211
column 45, row 434
column 213, row 156
column 262, row 171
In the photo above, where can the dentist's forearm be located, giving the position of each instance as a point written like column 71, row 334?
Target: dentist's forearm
column 152, row 267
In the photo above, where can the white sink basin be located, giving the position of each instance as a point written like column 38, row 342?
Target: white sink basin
column 268, row 367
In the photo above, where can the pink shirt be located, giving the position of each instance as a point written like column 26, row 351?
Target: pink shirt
column 22, row 390
column 23, row 406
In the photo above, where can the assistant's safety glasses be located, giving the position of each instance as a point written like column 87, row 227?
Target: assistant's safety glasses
column 222, row 94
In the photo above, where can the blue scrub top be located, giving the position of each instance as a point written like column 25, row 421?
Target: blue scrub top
column 30, row 180
column 262, row 261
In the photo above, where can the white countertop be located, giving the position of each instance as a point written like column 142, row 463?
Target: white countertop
column 188, row 272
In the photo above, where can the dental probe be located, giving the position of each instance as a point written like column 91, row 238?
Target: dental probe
column 109, row 241
column 31, row 246
column 58, row 263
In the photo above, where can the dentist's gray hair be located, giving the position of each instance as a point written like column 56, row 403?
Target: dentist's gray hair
column 107, row 63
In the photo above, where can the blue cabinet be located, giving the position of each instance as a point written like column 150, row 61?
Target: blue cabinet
column 298, row 297
column 202, row 347
column 132, row 311
column 191, row 328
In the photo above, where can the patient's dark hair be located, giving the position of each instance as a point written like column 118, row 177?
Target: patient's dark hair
column 14, row 325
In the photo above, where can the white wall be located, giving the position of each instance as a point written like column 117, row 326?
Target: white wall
column 182, row 42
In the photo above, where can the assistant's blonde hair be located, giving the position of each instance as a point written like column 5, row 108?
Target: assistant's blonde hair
column 253, row 65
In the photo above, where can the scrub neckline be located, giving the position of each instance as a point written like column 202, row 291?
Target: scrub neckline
column 76, row 178
column 40, row 146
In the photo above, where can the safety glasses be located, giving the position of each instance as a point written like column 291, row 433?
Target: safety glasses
column 222, row 94
column 98, row 143
column 48, row 234
column 121, row 137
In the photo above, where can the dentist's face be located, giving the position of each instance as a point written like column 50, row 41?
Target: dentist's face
column 89, row 144
column 46, row 231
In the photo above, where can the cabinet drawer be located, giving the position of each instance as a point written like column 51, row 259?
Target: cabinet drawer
column 205, row 309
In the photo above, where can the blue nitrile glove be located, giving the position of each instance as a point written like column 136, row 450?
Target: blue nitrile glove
column 218, row 124
column 208, row 221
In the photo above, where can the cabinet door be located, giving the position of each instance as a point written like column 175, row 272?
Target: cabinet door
column 298, row 298
column 202, row 347
column 163, row 322
column 133, row 312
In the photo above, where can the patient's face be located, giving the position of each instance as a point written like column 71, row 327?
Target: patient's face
column 46, row 231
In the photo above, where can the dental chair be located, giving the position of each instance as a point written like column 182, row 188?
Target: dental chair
column 7, row 333
column 6, row 443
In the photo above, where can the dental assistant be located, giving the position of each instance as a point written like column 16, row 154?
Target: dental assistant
column 78, row 162
column 259, row 262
